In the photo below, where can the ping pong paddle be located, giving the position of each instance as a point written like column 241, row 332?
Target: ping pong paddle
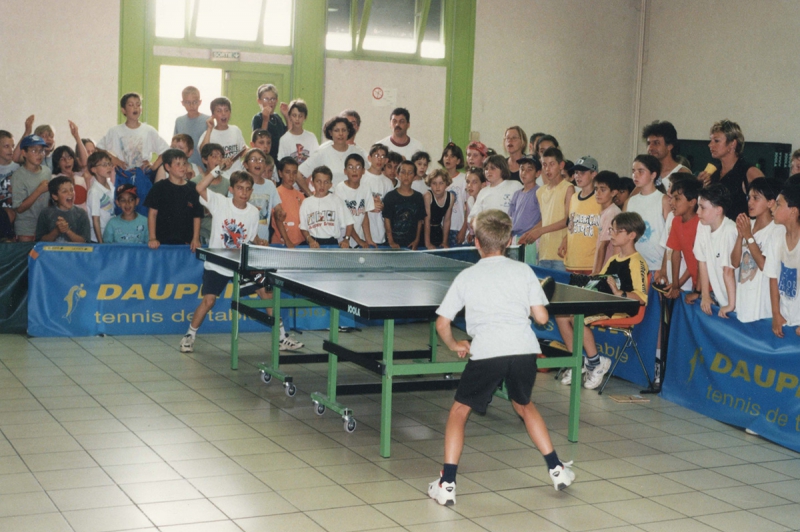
column 549, row 287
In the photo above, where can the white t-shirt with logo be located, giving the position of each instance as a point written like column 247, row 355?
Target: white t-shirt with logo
column 232, row 142
column 298, row 147
column 100, row 203
column 784, row 266
column 714, row 248
column 230, row 227
column 650, row 245
column 325, row 217
column 359, row 201
column 752, row 284
column 379, row 185
column 134, row 146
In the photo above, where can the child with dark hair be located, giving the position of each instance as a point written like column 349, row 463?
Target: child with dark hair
column 213, row 157
column 392, row 166
column 129, row 227
column 524, row 207
column 626, row 274
column 175, row 209
column 626, row 187
column 358, row 199
column 404, row 211
column 682, row 234
column 421, row 160
column 62, row 221
column 71, row 163
column 100, row 198
column 475, row 182
column 783, row 260
column 438, row 209
column 606, row 187
column 652, row 205
column 716, row 237
column 7, row 167
column 287, row 231
column 297, row 143
column 133, row 143
column 220, row 131
column 324, row 218
column 756, row 233
column 379, row 185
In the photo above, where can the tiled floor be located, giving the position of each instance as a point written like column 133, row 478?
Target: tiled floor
column 105, row 434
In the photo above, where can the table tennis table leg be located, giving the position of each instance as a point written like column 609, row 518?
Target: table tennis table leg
column 235, row 324
column 386, row 388
column 322, row 402
column 434, row 341
column 575, row 387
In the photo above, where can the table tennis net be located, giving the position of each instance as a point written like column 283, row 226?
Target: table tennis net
column 273, row 258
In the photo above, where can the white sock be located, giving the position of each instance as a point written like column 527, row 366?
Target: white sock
column 283, row 331
column 192, row 332
column 658, row 354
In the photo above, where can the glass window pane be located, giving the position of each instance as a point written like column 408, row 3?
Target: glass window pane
column 236, row 20
column 433, row 40
column 172, row 82
column 392, row 26
column 338, row 36
column 278, row 23
column 170, row 18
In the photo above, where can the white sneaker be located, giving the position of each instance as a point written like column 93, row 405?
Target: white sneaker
column 566, row 380
column 595, row 376
column 442, row 492
column 562, row 476
column 187, row 343
column 288, row 344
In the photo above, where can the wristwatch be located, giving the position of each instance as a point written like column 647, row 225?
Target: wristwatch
column 624, row 293
column 751, row 240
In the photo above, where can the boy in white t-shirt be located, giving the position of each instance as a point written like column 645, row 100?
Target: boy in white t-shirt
column 133, row 143
column 234, row 222
column 265, row 195
column 756, row 235
column 100, row 198
column 358, row 199
column 297, row 143
column 379, row 186
column 219, row 131
column 323, row 216
column 713, row 245
column 7, row 167
column 783, row 261
column 503, row 347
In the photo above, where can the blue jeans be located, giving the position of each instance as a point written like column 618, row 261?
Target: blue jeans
column 553, row 265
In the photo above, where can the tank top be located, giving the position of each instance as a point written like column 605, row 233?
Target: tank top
column 736, row 183
column 437, row 216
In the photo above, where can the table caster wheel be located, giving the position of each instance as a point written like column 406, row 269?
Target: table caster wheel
column 448, row 376
column 290, row 389
column 349, row 425
column 319, row 408
column 265, row 377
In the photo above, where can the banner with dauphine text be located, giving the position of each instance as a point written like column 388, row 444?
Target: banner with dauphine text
column 116, row 289
column 737, row 373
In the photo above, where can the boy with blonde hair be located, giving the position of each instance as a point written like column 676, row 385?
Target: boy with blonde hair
column 503, row 347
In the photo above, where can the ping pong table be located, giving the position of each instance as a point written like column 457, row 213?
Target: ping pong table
column 384, row 285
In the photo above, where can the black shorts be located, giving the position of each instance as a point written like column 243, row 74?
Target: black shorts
column 482, row 377
column 214, row 283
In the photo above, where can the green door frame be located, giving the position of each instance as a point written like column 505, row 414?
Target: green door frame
column 139, row 67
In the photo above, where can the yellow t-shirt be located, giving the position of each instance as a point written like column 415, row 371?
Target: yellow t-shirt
column 551, row 203
column 582, row 232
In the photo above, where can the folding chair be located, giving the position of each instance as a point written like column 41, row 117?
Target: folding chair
column 624, row 326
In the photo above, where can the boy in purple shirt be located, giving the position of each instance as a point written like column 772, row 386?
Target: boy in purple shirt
column 524, row 207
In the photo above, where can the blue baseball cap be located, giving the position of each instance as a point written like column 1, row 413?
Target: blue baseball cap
column 32, row 140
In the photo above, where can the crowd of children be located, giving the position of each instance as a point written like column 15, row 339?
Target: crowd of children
column 695, row 237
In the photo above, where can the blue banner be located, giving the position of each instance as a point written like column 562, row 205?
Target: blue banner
column 116, row 289
column 610, row 343
column 737, row 373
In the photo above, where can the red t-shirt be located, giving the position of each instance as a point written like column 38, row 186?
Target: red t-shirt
column 681, row 238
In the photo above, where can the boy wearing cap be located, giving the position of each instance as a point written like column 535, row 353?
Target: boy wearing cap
column 130, row 227
column 29, row 187
column 583, row 224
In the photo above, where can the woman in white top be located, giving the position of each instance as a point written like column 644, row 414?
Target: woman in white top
column 339, row 130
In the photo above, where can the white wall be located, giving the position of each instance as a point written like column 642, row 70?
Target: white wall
column 60, row 61
column 720, row 59
column 420, row 89
column 565, row 67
